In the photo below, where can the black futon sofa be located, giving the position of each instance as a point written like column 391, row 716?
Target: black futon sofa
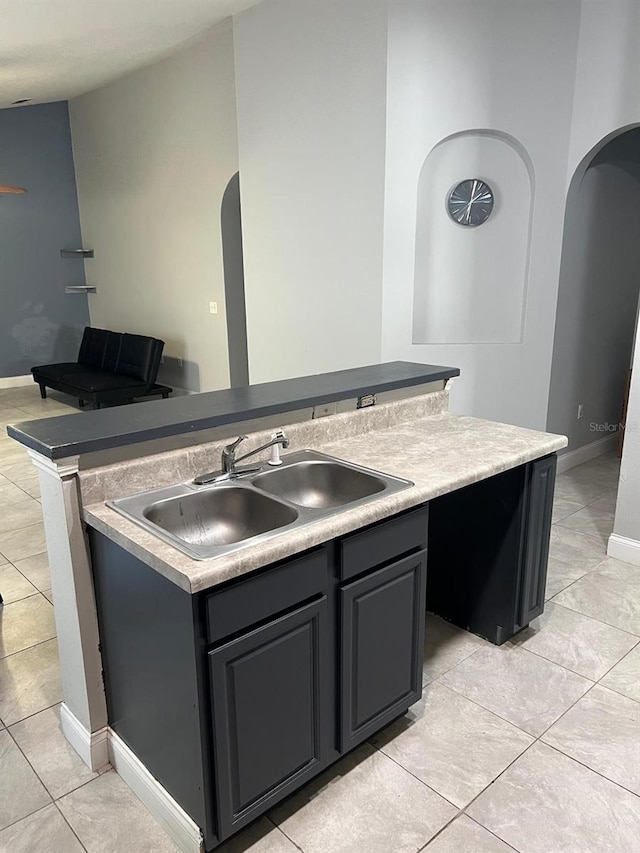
column 112, row 367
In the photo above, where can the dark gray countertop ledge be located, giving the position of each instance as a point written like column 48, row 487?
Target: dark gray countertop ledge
column 120, row 426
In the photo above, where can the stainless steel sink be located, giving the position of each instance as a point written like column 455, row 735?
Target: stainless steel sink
column 215, row 519
column 219, row 516
column 319, row 483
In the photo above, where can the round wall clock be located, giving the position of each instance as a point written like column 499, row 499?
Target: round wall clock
column 470, row 202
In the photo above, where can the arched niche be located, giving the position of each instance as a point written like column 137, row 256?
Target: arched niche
column 470, row 284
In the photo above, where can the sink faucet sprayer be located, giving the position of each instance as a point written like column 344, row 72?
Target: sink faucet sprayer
column 229, row 460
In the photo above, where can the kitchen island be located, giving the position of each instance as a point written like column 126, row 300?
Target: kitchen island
column 232, row 681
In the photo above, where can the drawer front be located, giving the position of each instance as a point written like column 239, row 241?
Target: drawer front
column 382, row 626
column 261, row 596
column 384, row 541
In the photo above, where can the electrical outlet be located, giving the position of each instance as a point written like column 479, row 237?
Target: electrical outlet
column 179, row 360
column 580, row 411
column 323, row 410
column 213, row 308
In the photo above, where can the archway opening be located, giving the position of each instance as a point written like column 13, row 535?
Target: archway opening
column 596, row 318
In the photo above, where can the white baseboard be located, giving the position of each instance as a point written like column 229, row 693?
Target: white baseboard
column 16, row 381
column 587, row 452
column 91, row 747
column 175, row 821
column 101, row 748
column 622, row 548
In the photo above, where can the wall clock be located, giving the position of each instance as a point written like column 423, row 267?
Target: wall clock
column 470, row 202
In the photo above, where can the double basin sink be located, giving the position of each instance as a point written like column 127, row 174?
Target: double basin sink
column 208, row 521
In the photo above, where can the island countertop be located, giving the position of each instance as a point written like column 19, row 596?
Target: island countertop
column 439, row 453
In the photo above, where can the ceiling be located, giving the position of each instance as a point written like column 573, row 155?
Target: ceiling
column 52, row 50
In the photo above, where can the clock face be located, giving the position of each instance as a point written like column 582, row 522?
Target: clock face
column 470, row 202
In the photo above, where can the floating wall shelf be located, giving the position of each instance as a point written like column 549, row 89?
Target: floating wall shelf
column 81, row 288
column 76, row 253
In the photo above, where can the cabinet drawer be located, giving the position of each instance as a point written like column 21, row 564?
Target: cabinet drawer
column 383, row 542
column 261, row 596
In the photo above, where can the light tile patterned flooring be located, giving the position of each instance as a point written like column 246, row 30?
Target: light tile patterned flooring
column 532, row 747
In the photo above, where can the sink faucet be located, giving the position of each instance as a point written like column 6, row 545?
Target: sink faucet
column 229, row 459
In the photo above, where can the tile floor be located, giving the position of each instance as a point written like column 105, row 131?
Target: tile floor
column 532, row 747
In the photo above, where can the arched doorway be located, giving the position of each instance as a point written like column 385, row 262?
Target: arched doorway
column 232, row 255
column 598, row 294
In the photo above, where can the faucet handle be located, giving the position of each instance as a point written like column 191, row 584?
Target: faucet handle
column 231, row 447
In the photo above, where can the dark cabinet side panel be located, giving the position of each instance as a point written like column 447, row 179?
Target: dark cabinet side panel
column 382, row 618
column 155, row 675
column 269, row 713
column 535, row 551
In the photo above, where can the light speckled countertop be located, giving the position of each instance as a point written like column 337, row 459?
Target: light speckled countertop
column 439, row 454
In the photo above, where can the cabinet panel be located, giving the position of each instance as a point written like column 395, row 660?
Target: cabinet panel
column 535, row 552
column 382, row 620
column 269, row 730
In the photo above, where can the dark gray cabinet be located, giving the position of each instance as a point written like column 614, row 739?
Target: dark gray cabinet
column 236, row 696
column 382, row 640
column 488, row 551
column 269, row 712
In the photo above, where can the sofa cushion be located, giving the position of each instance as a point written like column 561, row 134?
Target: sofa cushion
column 93, row 347
column 140, row 357
column 56, row 372
column 112, row 352
column 97, row 380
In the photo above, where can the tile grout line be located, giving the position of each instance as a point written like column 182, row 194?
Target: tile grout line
column 590, row 769
column 553, row 663
column 615, row 665
column 63, row 816
column 279, row 829
column 593, row 618
column 35, row 645
column 28, row 717
column 573, row 610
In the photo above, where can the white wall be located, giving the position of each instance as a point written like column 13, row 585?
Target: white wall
column 627, row 523
column 598, row 296
column 154, row 152
column 500, row 66
column 607, row 87
column 310, row 83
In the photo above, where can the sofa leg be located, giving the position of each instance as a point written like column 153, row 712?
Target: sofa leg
column 82, row 404
column 43, row 392
column 165, row 396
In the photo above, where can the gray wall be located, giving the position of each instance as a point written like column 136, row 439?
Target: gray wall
column 231, row 222
column 39, row 323
column 598, row 295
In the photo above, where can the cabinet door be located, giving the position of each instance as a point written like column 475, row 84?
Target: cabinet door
column 268, row 691
column 382, row 617
column 538, row 508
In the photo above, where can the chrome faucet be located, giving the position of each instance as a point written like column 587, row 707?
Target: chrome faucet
column 229, row 460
